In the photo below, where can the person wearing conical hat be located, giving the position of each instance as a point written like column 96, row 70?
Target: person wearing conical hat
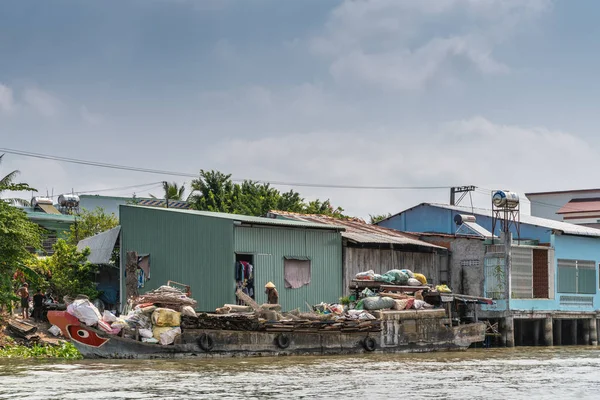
column 272, row 295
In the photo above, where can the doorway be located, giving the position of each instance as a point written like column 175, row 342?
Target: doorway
column 244, row 274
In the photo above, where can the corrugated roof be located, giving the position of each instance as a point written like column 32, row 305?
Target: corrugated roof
column 101, row 246
column 248, row 219
column 476, row 229
column 564, row 227
column 42, row 216
column 358, row 230
column 580, row 205
column 161, row 203
column 563, row 192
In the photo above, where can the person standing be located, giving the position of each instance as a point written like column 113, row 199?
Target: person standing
column 38, row 304
column 272, row 295
column 23, row 293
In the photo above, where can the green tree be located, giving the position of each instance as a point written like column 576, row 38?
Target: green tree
column 71, row 273
column 172, row 191
column 17, row 235
column 214, row 191
column 90, row 223
column 378, row 218
column 7, row 183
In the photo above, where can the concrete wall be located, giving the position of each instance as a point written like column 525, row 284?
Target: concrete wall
column 109, row 204
column 464, row 276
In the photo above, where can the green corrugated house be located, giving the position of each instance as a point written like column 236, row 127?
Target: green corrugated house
column 303, row 259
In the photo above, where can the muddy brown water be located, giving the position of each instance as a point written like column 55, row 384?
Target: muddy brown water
column 520, row 373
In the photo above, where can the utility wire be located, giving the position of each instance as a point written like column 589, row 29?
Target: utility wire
column 189, row 175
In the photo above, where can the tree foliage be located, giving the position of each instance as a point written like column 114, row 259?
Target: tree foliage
column 7, row 183
column 172, row 191
column 90, row 223
column 17, row 235
column 214, row 191
column 71, row 273
column 378, row 218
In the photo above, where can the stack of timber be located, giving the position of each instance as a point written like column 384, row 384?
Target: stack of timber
column 234, row 322
column 340, row 325
column 23, row 330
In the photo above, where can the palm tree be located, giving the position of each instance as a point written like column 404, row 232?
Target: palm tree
column 172, row 191
column 7, row 183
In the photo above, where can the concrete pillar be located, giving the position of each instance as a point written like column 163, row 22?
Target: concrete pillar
column 558, row 336
column 509, row 331
column 573, row 331
column 536, row 332
column 586, row 332
column 548, row 332
column 593, row 332
column 519, row 332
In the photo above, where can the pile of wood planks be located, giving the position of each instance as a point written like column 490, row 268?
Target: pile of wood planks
column 342, row 325
column 235, row 322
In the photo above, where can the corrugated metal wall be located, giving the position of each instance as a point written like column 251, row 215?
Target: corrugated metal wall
column 186, row 248
column 270, row 245
column 382, row 260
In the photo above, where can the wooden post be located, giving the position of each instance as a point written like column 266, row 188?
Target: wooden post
column 558, row 336
column 131, row 289
column 574, row 331
column 509, row 331
column 593, row 332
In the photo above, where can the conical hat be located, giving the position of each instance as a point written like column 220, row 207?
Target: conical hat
column 270, row 285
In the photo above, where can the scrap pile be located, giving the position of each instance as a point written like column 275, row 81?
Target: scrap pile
column 155, row 317
column 236, row 322
column 387, row 298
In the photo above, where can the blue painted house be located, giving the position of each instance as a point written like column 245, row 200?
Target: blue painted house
column 554, row 267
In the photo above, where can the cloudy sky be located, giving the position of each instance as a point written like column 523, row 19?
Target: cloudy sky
column 492, row 93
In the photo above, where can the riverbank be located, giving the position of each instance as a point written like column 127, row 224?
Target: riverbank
column 46, row 346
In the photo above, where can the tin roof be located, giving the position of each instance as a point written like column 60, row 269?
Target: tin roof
column 42, row 216
column 101, row 246
column 564, row 227
column 563, row 192
column 580, row 205
column 246, row 219
column 358, row 230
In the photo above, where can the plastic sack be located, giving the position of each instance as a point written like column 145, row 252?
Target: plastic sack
column 109, row 317
column 55, row 330
column 443, row 289
column 158, row 330
column 409, row 303
column 139, row 319
column 119, row 323
column 421, row 278
column 400, row 304
column 366, row 276
column 378, row 303
column 166, row 317
column 419, row 304
column 104, row 326
column 169, row 336
column 367, row 292
column 188, row 311
column 398, row 277
column 85, row 312
column 149, row 340
column 145, row 333
column 148, row 309
column 413, row 282
column 383, row 278
column 408, row 272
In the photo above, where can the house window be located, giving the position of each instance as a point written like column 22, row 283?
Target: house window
column 296, row 272
column 576, row 276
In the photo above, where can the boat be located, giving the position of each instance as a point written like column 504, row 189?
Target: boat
column 391, row 332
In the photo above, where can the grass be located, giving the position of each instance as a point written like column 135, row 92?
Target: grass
column 64, row 350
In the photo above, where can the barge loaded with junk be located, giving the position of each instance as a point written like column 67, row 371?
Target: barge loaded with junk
column 382, row 317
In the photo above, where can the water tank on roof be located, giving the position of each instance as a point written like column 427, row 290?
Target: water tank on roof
column 40, row 200
column 459, row 219
column 68, row 200
column 505, row 199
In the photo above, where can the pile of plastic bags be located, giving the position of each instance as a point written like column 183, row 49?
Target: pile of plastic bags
column 394, row 276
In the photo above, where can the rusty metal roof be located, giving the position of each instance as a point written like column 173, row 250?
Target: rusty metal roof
column 357, row 230
column 580, row 206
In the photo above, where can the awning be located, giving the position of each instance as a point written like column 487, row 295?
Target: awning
column 101, row 246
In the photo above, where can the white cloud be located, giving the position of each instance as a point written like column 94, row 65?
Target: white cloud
column 405, row 44
column 42, row 102
column 90, row 117
column 7, row 101
column 471, row 151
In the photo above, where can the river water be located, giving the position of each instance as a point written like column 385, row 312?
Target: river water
column 519, row 373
